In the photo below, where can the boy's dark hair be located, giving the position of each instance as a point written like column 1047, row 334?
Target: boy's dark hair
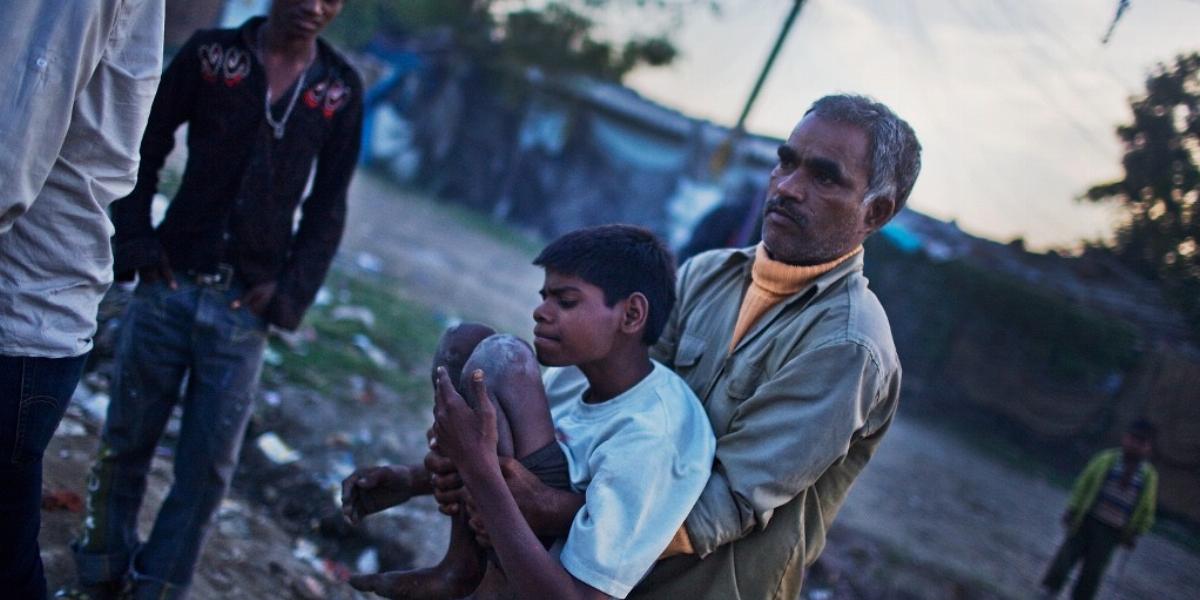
column 620, row 260
column 1142, row 430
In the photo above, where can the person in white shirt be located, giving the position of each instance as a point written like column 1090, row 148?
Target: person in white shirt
column 79, row 78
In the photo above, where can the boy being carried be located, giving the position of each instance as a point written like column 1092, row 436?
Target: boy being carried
column 635, row 441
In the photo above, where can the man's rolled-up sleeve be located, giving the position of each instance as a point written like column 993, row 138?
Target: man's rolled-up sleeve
column 782, row 437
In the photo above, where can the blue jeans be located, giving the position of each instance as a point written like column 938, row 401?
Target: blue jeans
column 167, row 334
column 34, row 393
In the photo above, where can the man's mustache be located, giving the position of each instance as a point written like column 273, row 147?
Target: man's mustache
column 776, row 204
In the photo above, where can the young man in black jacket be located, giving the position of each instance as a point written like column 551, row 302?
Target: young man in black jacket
column 263, row 103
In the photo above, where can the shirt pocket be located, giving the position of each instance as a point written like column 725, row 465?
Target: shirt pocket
column 744, row 381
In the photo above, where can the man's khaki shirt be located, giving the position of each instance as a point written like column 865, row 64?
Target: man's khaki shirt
column 798, row 408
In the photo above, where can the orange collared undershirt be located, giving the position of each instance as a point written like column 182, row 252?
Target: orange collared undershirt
column 770, row 282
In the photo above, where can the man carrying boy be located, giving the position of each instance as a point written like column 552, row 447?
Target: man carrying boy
column 1112, row 502
column 634, row 441
column 263, row 103
column 791, row 355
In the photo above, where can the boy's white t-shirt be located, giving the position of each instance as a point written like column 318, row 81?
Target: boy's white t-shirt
column 641, row 459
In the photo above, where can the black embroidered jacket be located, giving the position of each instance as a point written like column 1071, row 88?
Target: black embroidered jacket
column 240, row 190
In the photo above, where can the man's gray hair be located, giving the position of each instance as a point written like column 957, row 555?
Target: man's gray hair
column 894, row 150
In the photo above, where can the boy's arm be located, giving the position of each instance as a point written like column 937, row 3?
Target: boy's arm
column 369, row 490
column 468, row 437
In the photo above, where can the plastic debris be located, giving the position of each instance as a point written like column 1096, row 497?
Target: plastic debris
column 304, row 550
column 296, row 340
column 369, row 262
column 62, row 500
column 338, row 440
column 373, row 352
column 96, row 381
column 70, row 428
column 363, row 389
column 343, row 466
column 308, row 588
column 272, row 357
column 352, row 312
column 231, row 519
column 276, row 449
column 368, row 561
column 272, row 398
column 323, row 297
column 95, row 406
column 336, row 571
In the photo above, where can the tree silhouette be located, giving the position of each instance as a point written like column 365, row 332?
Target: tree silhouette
column 1160, row 234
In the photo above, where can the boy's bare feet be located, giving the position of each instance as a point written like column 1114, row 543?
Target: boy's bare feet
column 433, row 584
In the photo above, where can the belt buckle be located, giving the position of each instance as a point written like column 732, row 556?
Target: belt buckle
column 223, row 277
column 220, row 281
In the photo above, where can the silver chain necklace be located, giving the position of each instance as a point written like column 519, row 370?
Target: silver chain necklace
column 278, row 126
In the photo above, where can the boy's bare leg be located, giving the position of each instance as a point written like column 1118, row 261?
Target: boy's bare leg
column 461, row 570
column 524, row 426
column 371, row 489
column 515, row 387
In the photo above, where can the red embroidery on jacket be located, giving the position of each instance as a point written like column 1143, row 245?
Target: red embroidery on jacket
column 211, row 58
column 335, row 98
column 329, row 95
column 236, row 67
column 229, row 65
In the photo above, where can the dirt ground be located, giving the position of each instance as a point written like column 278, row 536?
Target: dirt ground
column 930, row 517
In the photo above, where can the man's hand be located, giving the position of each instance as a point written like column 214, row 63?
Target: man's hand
column 256, row 298
column 681, row 543
column 444, row 479
column 371, row 489
column 159, row 272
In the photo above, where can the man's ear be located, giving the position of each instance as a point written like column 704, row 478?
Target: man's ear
column 879, row 211
column 637, row 311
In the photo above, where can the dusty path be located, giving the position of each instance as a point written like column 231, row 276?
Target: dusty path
column 462, row 270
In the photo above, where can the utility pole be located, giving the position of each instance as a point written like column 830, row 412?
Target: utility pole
column 762, row 77
column 723, row 154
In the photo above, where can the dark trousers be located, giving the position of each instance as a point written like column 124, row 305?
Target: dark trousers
column 34, row 393
column 1093, row 543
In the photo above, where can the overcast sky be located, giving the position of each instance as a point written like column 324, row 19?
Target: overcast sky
column 1015, row 101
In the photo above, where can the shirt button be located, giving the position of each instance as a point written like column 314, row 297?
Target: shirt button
column 41, row 62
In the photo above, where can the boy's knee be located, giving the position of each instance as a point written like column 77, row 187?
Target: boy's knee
column 508, row 362
column 456, row 346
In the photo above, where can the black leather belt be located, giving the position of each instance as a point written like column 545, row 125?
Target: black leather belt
column 221, row 279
